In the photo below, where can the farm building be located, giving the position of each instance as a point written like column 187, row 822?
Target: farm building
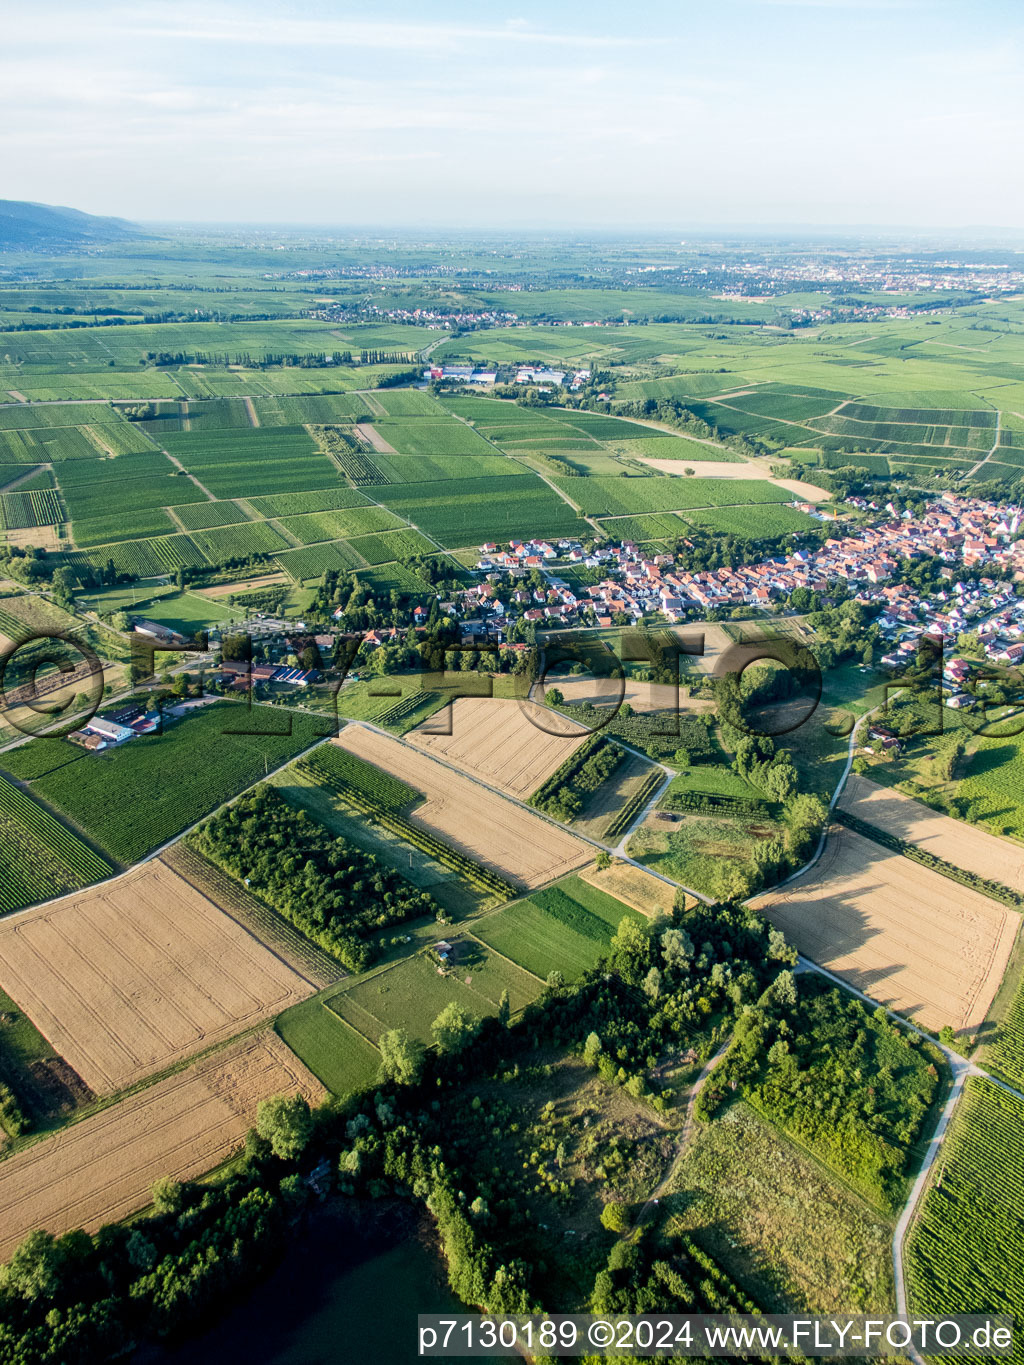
column 109, row 730
column 154, row 631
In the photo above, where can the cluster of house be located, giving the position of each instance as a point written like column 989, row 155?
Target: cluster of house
column 954, row 529
column 987, row 610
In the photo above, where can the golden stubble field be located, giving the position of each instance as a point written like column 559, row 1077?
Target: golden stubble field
column 102, row 1169
column 635, row 887
column 131, row 976
column 646, row 698
column 506, row 744
column 975, row 850
column 504, row 836
column 903, row 934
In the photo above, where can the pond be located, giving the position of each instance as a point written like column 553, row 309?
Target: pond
column 354, row 1279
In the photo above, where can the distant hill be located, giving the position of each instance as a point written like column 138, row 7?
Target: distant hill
column 25, row 226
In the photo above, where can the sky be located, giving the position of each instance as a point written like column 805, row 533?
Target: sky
column 652, row 114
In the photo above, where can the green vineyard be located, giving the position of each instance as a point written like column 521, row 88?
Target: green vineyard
column 39, row 857
column 19, row 510
column 966, row 1253
column 330, row 765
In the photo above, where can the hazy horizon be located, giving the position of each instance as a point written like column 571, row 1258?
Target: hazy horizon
column 671, row 117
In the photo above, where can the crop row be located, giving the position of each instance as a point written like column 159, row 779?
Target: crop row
column 238, row 542
column 632, row 808
column 334, row 767
column 467, row 868
column 29, row 509
column 1006, row 1055
column 315, row 528
column 404, row 708
column 607, row 496
column 315, row 560
column 318, row 500
column 973, row 417
column 203, row 516
column 996, row 890
column 40, row 856
column 752, row 523
column 150, row 558
column 966, row 1253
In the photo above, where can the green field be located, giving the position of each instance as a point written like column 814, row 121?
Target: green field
column 187, row 612
column 564, row 928
column 793, row 1235
column 335, row 1053
column 609, row 497
column 468, row 511
column 751, row 523
column 411, row 994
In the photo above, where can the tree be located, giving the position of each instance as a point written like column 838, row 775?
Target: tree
column 652, row 984
column 168, row 1195
column 34, row 1271
column 784, row 989
column 630, row 950
column 453, row 1030
column 504, row 1008
column 947, row 1035
column 613, row 1216
column 286, row 1123
column 592, row 1049
column 401, row 1059
column 553, row 697
column 602, row 860
column 778, row 949
column 676, row 947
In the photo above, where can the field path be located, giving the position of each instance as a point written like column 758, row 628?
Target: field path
column 375, row 439
column 995, row 446
column 654, row 1198
column 178, row 465
column 250, row 409
column 24, row 478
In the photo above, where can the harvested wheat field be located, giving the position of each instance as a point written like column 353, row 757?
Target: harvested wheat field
column 502, row 742
column 635, row 887
column 470, row 817
column 137, row 973
column 646, row 698
column 965, row 846
column 903, row 934
column 102, row 1169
